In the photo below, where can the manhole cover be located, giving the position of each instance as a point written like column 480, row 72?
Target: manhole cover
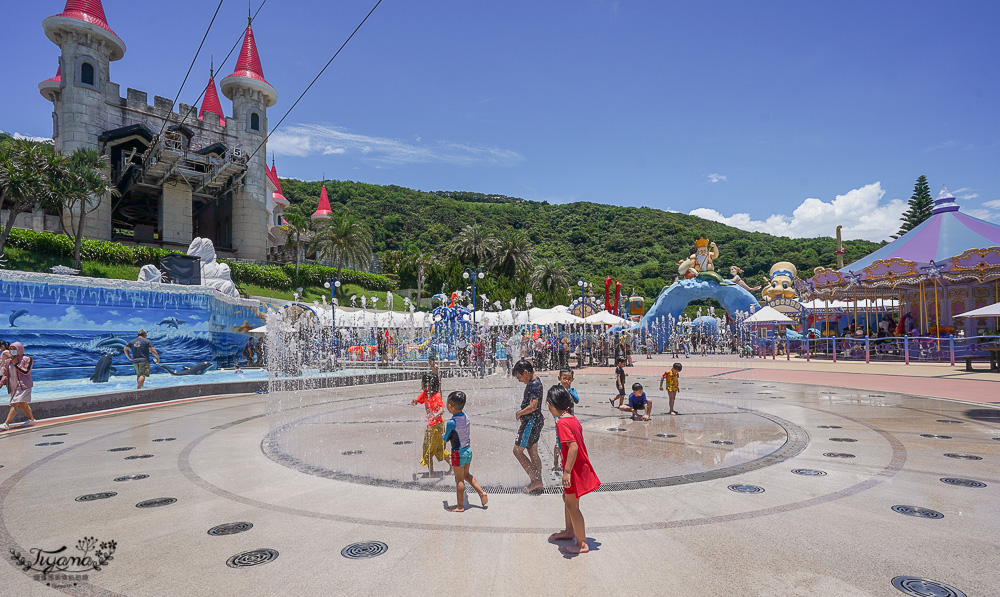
column 48, row 444
column 665, row 435
column 123, row 449
column 53, row 434
column 963, row 456
column 996, row 439
column 156, row 502
column 164, row 439
column 617, row 429
column 732, row 392
column 949, row 421
column 777, row 397
column 132, row 478
column 769, row 387
column 137, row 456
column 402, row 442
column 838, row 455
column 846, row 440
column 962, row 482
column 254, row 557
column 722, row 442
column 935, row 436
column 829, row 427
column 96, row 496
column 809, row 472
column 747, row 383
column 352, row 452
column 922, row 587
column 829, row 393
column 918, row 512
column 876, row 395
column 230, row 528
column 367, row 549
column 746, row 488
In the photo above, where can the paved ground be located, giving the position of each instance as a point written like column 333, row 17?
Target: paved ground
column 682, row 534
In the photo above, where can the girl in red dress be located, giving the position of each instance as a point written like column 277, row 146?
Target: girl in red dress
column 578, row 478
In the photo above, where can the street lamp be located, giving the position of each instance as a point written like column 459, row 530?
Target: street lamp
column 473, row 274
column 333, row 284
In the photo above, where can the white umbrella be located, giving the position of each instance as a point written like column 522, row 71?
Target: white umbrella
column 556, row 318
column 606, row 318
column 768, row 315
column 987, row 311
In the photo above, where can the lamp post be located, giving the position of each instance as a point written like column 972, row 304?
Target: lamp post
column 333, row 284
column 583, row 302
column 473, row 274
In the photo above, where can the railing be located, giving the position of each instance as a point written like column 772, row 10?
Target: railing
column 921, row 349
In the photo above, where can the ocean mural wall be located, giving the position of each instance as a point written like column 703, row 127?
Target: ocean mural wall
column 68, row 323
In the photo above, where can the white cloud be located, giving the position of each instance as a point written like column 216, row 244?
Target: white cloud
column 995, row 204
column 983, row 214
column 302, row 140
column 715, row 177
column 861, row 212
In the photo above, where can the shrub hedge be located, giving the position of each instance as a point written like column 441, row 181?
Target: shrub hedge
column 281, row 277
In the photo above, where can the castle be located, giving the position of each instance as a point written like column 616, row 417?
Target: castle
column 181, row 174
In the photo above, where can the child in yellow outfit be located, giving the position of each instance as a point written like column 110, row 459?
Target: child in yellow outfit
column 430, row 397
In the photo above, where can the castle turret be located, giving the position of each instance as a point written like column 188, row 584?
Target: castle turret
column 323, row 211
column 211, row 102
column 88, row 46
column 251, row 95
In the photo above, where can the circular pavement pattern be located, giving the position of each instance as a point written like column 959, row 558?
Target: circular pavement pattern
column 918, row 512
column 838, row 455
column 254, row 557
column 90, row 497
column 809, row 472
column 963, row 456
column 138, row 456
column 362, row 550
column 156, row 502
column 230, row 528
column 131, row 478
column 742, row 488
column 962, row 482
column 122, row 449
column 922, row 587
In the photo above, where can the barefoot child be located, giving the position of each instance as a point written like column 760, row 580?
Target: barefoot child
column 531, row 418
column 430, row 397
column 566, row 379
column 578, row 477
column 638, row 405
column 457, row 432
column 672, row 377
column 619, row 383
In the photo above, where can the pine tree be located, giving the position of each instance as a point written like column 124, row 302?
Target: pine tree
column 920, row 208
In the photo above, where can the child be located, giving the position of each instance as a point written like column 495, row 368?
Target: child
column 619, row 383
column 578, row 477
column 637, row 403
column 430, row 397
column 531, row 419
column 566, row 379
column 457, row 432
column 672, row 377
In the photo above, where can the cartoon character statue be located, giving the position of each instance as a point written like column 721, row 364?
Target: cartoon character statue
column 782, row 283
column 700, row 263
column 736, row 279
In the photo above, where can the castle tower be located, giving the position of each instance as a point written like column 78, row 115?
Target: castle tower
column 251, row 95
column 211, row 101
column 323, row 211
column 88, row 46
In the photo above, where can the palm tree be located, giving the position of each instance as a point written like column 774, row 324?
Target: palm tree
column 420, row 264
column 474, row 245
column 298, row 228
column 513, row 253
column 80, row 191
column 28, row 174
column 345, row 241
column 549, row 275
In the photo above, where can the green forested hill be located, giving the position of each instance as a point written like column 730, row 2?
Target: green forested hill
column 638, row 246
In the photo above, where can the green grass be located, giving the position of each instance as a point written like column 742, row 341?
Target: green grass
column 313, row 293
column 29, row 261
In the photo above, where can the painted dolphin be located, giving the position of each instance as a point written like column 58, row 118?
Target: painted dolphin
column 196, row 370
column 14, row 314
column 103, row 370
column 172, row 322
column 112, row 342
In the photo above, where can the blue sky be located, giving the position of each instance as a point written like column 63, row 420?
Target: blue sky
column 788, row 117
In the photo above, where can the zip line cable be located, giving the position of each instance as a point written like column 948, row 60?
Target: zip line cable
column 271, row 132
column 193, row 60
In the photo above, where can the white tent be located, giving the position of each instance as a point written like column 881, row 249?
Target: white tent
column 555, row 317
column 261, row 330
column 768, row 315
column 606, row 318
column 987, row 311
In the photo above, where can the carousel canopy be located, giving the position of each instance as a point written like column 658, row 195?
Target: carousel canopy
column 987, row 311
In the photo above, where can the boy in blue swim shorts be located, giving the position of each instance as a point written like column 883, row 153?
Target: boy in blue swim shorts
column 458, row 431
column 637, row 403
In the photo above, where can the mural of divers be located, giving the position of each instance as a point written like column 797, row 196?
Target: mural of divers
column 196, row 370
column 172, row 322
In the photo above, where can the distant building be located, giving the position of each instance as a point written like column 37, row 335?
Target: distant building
column 181, row 174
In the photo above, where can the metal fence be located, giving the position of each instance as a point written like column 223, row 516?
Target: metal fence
column 905, row 349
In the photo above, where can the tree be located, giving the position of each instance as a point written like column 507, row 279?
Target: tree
column 421, row 264
column 512, row 253
column 549, row 275
column 28, row 175
column 345, row 241
column 474, row 245
column 298, row 228
column 80, row 189
column 920, row 208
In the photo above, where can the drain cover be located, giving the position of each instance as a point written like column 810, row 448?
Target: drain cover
column 732, row 392
column 922, row 587
column 96, row 496
column 876, row 395
column 935, row 436
column 137, row 456
column 156, row 502
column 230, row 528
column 809, row 472
column 132, row 478
column 963, row 456
column 617, row 429
column 949, row 421
column 962, row 482
column 254, row 557
column 53, row 434
column 402, row 442
column 847, row 440
column 746, row 488
column 164, row 439
column 48, row 444
column 722, row 442
column 665, row 435
column 123, row 449
column 918, row 511
column 367, row 549
column 829, row 427
column 352, row 452
column 838, row 455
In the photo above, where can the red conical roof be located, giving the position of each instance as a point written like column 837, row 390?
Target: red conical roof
column 273, row 175
column 58, row 77
column 89, row 11
column 248, row 64
column 211, row 102
column 323, row 209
